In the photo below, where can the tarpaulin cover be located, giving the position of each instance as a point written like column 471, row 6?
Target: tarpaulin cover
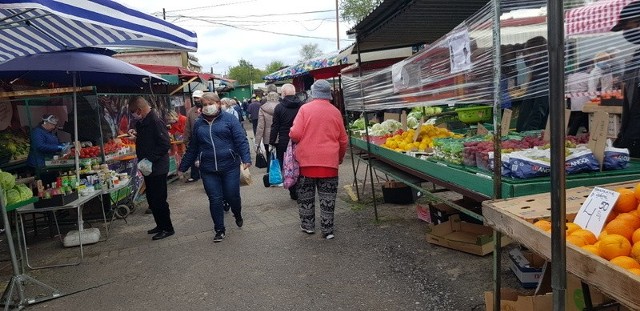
column 596, row 17
column 305, row 67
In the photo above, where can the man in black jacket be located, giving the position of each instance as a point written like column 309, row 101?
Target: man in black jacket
column 152, row 143
column 283, row 116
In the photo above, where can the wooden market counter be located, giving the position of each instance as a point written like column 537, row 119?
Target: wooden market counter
column 477, row 184
column 514, row 218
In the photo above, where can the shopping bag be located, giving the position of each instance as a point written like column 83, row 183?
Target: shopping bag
column 261, row 159
column 145, row 166
column 275, row 173
column 291, row 166
column 245, row 176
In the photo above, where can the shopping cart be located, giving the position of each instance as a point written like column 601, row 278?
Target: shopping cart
column 123, row 197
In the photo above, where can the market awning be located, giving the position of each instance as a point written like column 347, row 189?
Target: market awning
column 323, row 67
column 597, row 17
column 40, row 26
column 180, row 72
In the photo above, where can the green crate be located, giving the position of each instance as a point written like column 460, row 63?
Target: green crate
column 475, row 114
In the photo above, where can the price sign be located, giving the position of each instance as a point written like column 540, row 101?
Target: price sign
column 594, row 211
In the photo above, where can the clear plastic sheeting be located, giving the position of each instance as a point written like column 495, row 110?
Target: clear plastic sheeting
column 458, row 68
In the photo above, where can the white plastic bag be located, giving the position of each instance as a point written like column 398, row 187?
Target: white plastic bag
column 145, row 166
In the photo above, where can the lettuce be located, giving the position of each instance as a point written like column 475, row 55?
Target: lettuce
column 13, row 196
column 25, row 192
column 7, row 181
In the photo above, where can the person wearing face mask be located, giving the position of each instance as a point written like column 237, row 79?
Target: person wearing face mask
column 192, row 116
column 629, row 135
column 600, row 77
column 44, row 144
column 227, row 106
column 152, row 143
column 220, row 142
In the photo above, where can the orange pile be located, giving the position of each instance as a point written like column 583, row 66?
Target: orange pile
column 619, row 241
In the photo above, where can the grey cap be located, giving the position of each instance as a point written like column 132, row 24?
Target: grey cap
column 321, row 89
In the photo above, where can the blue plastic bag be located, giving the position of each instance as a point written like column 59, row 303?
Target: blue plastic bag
column 275, row 172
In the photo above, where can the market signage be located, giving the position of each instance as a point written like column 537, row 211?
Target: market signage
column 595, row 210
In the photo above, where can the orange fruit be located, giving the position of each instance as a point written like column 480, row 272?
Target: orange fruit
column 635, row 271
column 636, row 212
column 625, row 262
column 635, row 237
column 612, row 216
column 635, row 252
column 602, row 234
column 614, row 245
column 597, row 244
column 621, row 227
column 592, row 249
column 636, row 191
column 544, row 225
column 631, row 219
column 626, row 201
column 576, row 240
column 587, row 235
column 571, row 227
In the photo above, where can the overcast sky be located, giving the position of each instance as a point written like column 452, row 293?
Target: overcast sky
column 229, row 30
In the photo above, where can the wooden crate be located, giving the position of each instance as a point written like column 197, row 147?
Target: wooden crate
column 532, row 208
column 510, row 218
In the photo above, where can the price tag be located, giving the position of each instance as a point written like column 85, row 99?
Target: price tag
column 595, row 210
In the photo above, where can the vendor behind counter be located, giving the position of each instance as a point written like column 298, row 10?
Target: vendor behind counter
column 44, row 144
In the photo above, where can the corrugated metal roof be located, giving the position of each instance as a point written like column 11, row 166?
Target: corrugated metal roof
column 403, row 23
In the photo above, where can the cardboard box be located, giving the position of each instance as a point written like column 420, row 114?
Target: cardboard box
column 574, row 294
column 469, row 238
column 511, row 300
column 398, row 193
column 527, row 266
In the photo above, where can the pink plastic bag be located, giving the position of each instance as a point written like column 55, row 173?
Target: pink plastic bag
column 291, row 168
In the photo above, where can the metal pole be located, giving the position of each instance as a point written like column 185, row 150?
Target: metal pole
column 337, row 26
column 366, row 128
column 75, row 127
column 164, row 14
column 555, row 33
column 497, row 153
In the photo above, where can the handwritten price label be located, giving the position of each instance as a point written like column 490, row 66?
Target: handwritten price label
column 595, row 210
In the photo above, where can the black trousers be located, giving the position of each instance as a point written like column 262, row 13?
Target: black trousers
column 157, row 199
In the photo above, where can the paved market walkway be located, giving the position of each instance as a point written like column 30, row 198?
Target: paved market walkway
column 268, row 264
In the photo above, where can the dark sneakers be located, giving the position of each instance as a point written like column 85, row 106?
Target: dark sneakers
column 307, row 231
column 328, row 235
column 218, row 237
column 154, row 230
column 226, row 206
column 163, row 234
column 239, row 222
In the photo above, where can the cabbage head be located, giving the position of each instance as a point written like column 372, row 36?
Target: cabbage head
column 25, row 192
column 13, row 196
column 412, row 122
column 7, row 181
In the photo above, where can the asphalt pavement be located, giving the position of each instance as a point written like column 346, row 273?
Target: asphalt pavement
column 268, row 264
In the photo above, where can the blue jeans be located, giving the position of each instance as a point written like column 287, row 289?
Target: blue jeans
column 222, row 186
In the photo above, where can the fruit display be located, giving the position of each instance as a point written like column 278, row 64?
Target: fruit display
column 619, row 241
column 404, row 140
column 110, row 147
column 14, row 147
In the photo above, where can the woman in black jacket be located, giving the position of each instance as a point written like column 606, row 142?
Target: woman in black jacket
column 283, row 116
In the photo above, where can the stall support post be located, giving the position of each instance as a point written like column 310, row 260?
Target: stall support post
column 497, row 158
column 555, row 33
column 18, row 280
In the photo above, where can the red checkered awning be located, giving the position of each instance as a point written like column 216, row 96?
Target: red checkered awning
column 597, row 17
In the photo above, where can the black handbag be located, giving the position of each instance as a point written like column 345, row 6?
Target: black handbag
column 261, row 160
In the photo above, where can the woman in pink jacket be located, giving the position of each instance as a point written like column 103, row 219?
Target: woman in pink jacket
column 319, row 132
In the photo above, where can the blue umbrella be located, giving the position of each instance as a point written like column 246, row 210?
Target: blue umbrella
column 76, row 69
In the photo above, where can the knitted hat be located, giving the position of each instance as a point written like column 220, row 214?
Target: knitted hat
column 321, row 89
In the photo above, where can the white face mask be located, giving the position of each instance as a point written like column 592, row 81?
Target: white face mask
column 136, row 116
column 210, row 110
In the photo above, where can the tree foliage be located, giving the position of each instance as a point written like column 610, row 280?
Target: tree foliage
column 309, row 51
column 245, row 73
column 353, row 11
column 274, row 66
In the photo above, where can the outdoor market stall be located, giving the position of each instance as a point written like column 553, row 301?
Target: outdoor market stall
column 371, row 92
column 50, row 26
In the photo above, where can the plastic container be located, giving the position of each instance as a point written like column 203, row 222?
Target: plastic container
column 475, row 114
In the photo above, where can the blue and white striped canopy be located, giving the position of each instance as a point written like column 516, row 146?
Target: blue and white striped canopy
column 39, row 26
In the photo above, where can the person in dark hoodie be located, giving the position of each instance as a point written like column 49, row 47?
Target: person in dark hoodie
column 283, row 116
